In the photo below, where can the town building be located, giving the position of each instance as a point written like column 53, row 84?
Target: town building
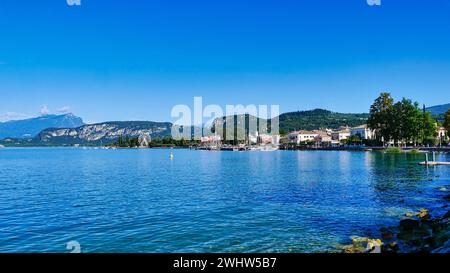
column 269, row 139
column 363, row 132
column 302, row 136
column 210, row 139
column 323, row 137
column 340, row 135
column 442, row 133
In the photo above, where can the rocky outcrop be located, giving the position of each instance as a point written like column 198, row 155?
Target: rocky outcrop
column 105, row 132
column 422, row 233
column 419, row 232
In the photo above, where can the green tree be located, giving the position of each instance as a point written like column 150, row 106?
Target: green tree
column 429, row 129
column 380, row 118
column 408, row 120
column 447, row 122
column 354, row 140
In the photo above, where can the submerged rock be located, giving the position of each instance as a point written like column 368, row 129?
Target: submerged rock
column 391, row 247
column 409, row 224
column 446, row 215
column 445, row 249
column 387, row 234
column 422, row 214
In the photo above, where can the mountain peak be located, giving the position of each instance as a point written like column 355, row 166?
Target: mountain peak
column 32, row 126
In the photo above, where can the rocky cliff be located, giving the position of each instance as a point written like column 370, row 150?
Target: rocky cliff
column 105, row 132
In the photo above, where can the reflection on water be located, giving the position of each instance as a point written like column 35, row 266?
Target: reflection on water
column 141, row 201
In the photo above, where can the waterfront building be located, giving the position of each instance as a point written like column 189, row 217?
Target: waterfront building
column 302, row 136
column 253, row 138
column 363, row 131
column 210, row 139
column 323, row 137
column 269, row 139
column 340, row 135
column 443, row 136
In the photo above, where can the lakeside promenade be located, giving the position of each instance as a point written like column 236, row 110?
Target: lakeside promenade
column 359, row 148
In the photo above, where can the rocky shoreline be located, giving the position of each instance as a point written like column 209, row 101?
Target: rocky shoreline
column 420, row 232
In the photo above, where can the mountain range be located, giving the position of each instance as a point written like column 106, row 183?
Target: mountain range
column 439, row 109
column 68, row 129
column 105, row 132
column 31, row 127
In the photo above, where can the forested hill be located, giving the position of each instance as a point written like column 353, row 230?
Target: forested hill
column 305, row 120
column 319, row 118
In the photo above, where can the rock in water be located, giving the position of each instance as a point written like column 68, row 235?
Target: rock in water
column 447, row 215
column 424, row 214
column 409, row 224
column 374, row 246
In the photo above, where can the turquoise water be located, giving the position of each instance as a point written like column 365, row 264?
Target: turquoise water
column 141, row 201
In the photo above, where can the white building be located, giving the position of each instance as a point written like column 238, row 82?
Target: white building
column 323, row 137
column 340, row 135
column 362, row 131
column 269, row 139
column 442, row 133
column 210, row 139
column 302, row 136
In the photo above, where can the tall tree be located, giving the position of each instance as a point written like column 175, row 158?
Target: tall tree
column 394, row 123
column 447, row 122
column 429, row 129
column 380, row 117
column 409, row 121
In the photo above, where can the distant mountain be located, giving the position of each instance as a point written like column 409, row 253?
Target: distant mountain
column 31, row 127
column 107, row 132
column 319, row 118
column 439, row 109
column 104, row 133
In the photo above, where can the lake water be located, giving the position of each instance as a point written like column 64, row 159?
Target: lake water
column 141, row 201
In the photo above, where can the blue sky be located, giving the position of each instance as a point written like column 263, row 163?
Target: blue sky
column 135, row 60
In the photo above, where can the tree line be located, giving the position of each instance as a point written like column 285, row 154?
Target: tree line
column 134, row 142
column 403, row 122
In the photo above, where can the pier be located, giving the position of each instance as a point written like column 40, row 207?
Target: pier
column 434, row 162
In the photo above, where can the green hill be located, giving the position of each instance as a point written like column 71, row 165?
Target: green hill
column 438, row 110
column 319, row 118
column 303, row 120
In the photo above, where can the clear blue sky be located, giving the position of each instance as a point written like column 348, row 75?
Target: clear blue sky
column 134, row 60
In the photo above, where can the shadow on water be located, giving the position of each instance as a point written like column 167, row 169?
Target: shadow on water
column 399, row 179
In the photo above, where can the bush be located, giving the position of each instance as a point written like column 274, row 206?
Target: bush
column 393, row 150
